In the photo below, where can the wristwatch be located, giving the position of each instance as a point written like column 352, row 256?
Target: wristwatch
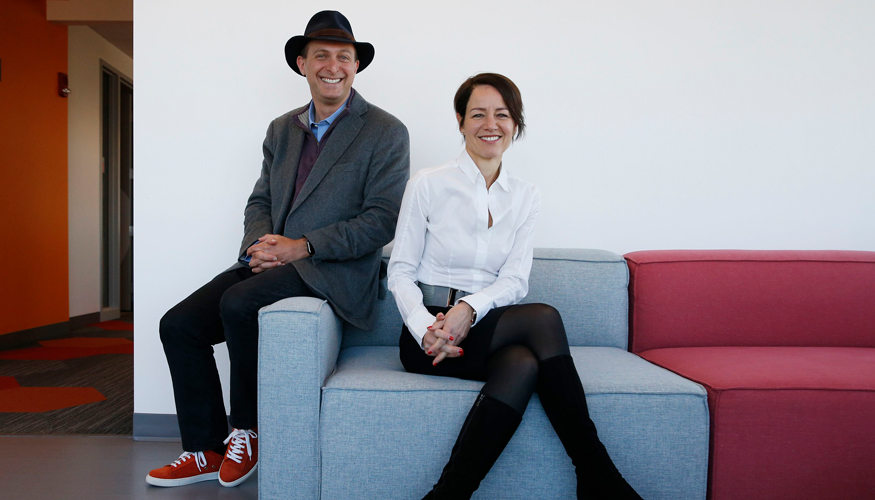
column 474, row 317
column 310, row 249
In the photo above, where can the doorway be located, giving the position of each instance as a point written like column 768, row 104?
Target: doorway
column 117, row 186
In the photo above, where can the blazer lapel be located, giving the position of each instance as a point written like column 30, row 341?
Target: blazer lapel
column 341, row 137
column 287, row 174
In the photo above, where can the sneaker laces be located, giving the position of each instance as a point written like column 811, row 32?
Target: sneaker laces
column 239, row 441
column 199, row 459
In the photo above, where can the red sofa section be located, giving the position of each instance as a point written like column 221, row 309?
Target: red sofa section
column 784, row 343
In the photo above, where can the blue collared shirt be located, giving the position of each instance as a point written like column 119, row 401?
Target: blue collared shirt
column 320, row 128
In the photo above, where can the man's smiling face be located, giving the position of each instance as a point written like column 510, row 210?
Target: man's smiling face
column 330, row 70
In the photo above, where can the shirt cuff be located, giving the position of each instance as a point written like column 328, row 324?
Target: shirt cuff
column 244, row 257
column 480, row 302
column 418, row 324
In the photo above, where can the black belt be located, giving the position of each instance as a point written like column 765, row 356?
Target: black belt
column 441, row 296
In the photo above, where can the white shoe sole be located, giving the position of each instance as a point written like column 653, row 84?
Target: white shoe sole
column 209, row 476
column 235, row 483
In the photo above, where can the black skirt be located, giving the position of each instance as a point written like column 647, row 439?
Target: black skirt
column 471, row 366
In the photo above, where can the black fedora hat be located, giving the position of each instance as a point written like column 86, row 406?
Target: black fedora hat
column 328, row 25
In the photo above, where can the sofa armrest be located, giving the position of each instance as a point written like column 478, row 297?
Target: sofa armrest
column 298, row 344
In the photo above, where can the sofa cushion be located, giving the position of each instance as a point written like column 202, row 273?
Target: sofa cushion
column 701, row 298
column 588, row 287
column 401, row 427
column 787, row 422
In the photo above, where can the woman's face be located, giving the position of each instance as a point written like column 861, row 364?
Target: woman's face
column 487, row 127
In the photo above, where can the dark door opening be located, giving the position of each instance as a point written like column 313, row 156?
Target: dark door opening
column 117, row 171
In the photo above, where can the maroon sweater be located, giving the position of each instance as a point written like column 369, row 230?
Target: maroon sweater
column 312, row 148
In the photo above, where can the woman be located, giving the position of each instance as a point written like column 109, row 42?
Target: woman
column 461, row 261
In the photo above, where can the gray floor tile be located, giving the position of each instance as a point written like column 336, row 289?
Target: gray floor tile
column 97, row 468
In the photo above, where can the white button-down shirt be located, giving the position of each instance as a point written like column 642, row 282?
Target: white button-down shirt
column 443, row 238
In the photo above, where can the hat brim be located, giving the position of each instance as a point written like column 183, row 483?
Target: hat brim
column 296, row 44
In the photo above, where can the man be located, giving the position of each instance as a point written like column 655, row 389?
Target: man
column 326, row 203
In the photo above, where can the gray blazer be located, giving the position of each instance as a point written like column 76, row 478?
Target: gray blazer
column 347, row 208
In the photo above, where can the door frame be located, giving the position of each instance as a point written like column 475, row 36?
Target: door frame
column 111, row 81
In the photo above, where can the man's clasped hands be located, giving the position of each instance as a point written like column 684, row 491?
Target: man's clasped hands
column 274, row 250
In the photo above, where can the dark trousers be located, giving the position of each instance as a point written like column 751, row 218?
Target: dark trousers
column 223, row 310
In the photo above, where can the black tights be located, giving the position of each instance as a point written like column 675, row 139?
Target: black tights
column 528, row 351
column 524, row 336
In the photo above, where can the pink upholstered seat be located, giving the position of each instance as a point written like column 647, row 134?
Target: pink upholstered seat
column 784, row 343
column 787, row 422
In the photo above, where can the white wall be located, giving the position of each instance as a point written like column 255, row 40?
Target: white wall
column 85, row 50
column 653, row 124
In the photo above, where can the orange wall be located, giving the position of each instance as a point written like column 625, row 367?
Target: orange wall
column 33, row 168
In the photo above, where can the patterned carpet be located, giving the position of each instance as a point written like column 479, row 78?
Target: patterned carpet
column 83, row 384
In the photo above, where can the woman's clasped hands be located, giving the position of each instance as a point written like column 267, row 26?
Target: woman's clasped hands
column 449, row 330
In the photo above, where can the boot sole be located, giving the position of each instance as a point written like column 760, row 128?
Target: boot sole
column 231, row 484
column 167, row 483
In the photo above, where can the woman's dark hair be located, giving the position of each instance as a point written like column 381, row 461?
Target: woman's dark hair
column 508, row 90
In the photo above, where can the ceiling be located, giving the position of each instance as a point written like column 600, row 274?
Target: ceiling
column 119, row 34
column 111, row 19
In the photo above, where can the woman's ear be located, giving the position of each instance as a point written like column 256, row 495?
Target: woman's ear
column 459, row 119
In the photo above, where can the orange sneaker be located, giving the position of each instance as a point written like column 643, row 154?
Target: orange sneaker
column 241, row 459
column 188, row 468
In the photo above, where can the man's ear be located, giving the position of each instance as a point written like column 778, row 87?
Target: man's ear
column 300, row 62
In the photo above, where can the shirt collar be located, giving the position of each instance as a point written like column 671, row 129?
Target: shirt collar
column 331, row 118
column 472, row 172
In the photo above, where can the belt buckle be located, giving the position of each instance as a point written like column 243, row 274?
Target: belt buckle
column 451, row 296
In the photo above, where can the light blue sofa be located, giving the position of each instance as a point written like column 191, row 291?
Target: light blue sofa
column 339, row 418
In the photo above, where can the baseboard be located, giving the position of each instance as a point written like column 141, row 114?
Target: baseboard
column 48, row 332
column 110, row 313
column 84, row 320
column 31, row 335
column 156, row 427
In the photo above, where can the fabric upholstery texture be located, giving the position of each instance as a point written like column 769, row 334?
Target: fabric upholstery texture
column 784, row 342
column 299, row 339
column 754, row 368
column 692, row 298
column 587, row 287
column 401, row 426
column 788, row 422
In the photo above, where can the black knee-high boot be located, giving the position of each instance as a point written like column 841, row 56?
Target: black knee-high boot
column 485, row 433
column 564, row 402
